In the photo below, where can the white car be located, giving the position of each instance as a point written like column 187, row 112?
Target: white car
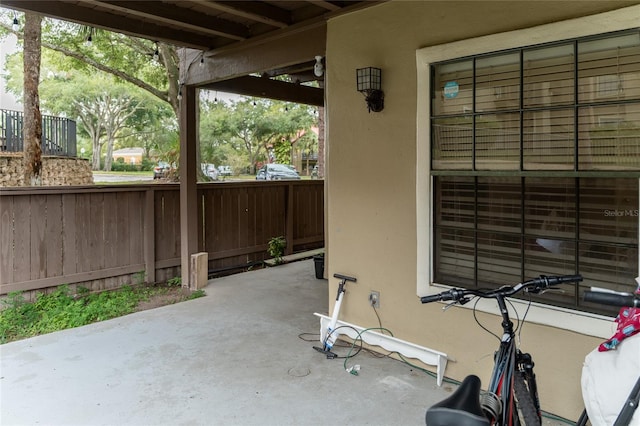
column 276, row 172
column 210, row 171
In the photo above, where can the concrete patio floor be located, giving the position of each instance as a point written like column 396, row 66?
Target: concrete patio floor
column 233, row 357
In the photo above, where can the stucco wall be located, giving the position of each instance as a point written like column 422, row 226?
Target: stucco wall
column 56, row 171
column 372, row 173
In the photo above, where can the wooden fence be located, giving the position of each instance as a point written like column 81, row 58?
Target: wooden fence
column 104, row 237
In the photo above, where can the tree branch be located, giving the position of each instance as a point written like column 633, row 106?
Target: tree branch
column 162, row 95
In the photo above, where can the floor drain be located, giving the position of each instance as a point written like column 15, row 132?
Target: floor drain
column 299, row 371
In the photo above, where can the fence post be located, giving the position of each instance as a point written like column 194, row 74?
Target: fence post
column 149, row 233
column 289, row 217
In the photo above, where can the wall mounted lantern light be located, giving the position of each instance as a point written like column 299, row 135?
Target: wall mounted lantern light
column 369, row 82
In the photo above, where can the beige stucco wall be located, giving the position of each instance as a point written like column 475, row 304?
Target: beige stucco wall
column 372, row 173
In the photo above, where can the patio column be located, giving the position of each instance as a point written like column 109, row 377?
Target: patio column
column 188, row 180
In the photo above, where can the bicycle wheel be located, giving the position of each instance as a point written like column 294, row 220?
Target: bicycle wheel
column 524, row 401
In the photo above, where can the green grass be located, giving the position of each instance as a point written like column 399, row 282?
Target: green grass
column 60, row 310
column 133, row 173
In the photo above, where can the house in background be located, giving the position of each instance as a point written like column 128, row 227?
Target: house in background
column 132, row 156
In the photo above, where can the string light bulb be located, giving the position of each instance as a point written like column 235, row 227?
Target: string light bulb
column 89, row 41
column 156, row 53
column 202, row 62
column 16, row 24
column 318, row 68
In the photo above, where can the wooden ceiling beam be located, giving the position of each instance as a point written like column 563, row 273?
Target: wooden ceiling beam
column 172, row 15
column 252, row 10
column 293, row 69
column 325, row 5
column 263, row 87
column 76, row 12
column 255, row 56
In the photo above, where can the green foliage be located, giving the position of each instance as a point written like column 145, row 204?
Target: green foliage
column 82, row 81
column 276, row 247
column 60, row 309
column 175, row 282
column 251, row 131
column 196, row 294
column 121, row 166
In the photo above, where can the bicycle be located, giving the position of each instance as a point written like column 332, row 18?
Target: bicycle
column 630, row 405
column 512, row 391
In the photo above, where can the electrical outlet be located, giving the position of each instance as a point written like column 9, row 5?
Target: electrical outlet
column 374, row 299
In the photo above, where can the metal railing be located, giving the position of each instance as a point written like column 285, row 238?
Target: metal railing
column 58, row 134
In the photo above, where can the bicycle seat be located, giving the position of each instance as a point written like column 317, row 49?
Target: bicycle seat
column 462, row 408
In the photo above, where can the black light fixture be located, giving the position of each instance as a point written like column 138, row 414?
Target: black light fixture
column 369, row 82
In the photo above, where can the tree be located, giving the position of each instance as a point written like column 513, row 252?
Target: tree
column 306, row 145
column 106, row 108
column 127, row 58
column 32, row 130
column 255, row 129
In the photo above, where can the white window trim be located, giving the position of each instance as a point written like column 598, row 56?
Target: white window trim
column 621, row 19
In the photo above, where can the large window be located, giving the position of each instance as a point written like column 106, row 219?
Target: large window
column 535, row 158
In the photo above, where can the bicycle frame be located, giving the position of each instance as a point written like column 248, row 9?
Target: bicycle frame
column 512, row 378
column 508, row 362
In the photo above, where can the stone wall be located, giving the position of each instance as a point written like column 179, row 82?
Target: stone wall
column 56, row 171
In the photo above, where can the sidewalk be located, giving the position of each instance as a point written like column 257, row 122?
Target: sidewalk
column 232, row 358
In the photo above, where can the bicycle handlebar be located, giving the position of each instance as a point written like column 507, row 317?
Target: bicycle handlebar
column 614, row 299
column 535, row 285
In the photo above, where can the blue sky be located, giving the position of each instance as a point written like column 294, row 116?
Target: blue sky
column 7, row 101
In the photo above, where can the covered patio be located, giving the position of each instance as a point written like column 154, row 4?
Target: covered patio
column 233, row 357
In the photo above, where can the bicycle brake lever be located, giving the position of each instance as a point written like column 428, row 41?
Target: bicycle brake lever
column 553, row 289
column 462, row 301
column 448, row 305
column 544, row 290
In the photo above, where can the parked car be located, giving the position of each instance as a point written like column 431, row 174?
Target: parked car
column 276, row 172
column 210, row 171
column 161, row 170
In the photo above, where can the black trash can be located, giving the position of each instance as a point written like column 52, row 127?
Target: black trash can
column 319, row 264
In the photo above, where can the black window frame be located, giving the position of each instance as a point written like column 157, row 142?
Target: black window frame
column 575, row 173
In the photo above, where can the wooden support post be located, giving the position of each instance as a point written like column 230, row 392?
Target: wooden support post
column 188, row 180
column 149, row 237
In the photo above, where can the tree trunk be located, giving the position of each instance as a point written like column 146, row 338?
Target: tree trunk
column 108, row 158
column 32, row 130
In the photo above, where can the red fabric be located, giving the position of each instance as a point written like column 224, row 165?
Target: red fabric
column 628, row 324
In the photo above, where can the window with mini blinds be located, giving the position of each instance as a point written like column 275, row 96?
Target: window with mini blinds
column 535, row 159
